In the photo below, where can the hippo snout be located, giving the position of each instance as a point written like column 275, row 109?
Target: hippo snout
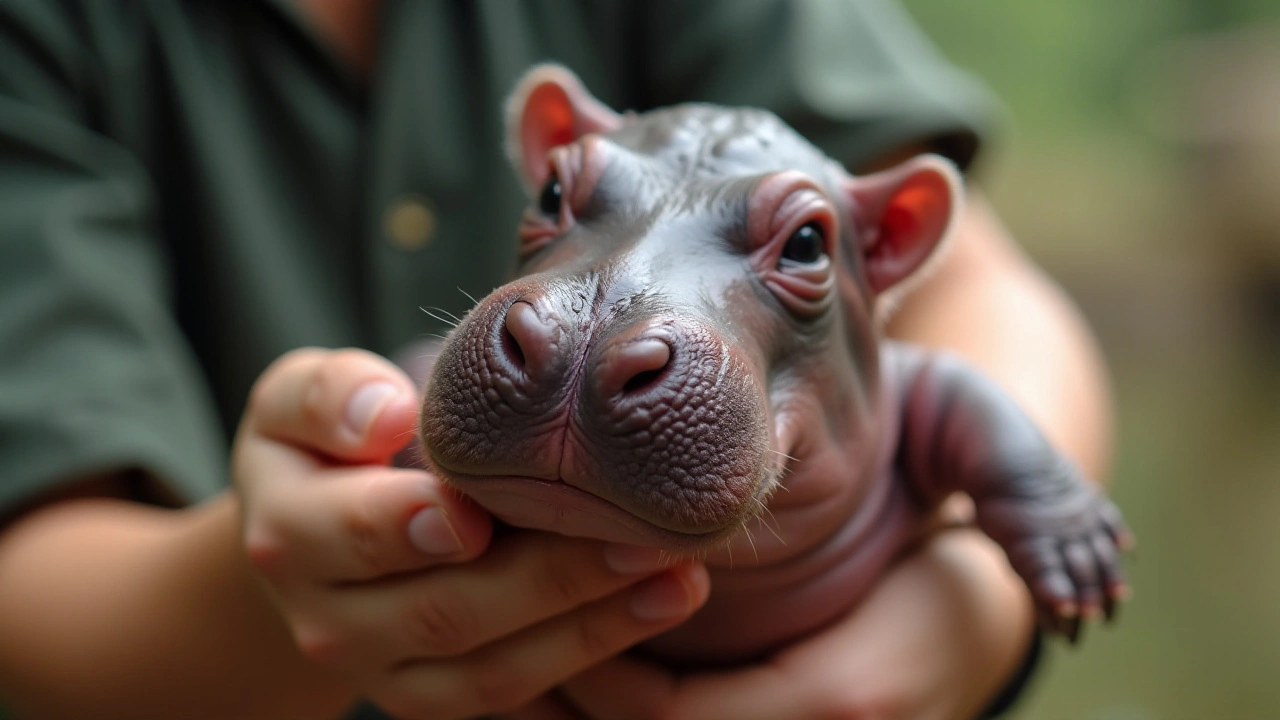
column 636, row 424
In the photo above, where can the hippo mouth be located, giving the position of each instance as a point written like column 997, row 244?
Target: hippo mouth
column 557, row 506
column 642, row 427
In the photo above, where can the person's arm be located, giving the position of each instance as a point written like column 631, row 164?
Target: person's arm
column 110, row 608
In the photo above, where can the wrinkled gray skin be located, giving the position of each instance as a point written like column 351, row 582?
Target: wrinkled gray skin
column 644, row 382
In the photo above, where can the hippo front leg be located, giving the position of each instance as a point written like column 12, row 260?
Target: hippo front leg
column 960, row 432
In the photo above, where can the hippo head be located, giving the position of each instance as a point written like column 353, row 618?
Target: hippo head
column 693, row 328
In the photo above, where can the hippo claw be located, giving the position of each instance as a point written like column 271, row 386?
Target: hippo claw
column 1067, row 551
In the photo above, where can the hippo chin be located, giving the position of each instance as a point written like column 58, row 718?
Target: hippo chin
column 691, row 360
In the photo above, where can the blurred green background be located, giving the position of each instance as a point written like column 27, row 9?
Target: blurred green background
column 1142, row 169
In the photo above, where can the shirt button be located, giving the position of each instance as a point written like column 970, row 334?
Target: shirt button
column 410, row 223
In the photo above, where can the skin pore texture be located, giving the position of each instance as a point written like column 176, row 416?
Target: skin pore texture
column 94, row 591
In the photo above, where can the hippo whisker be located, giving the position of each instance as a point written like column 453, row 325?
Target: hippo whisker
column 470, row 297
column 446, row 312
column 450, row 323
column 751, row 541
column 408, row 433
column 779, row 452
column 765, row 511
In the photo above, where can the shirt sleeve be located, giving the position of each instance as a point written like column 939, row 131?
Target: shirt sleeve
column 856, row 77
column 95, row 374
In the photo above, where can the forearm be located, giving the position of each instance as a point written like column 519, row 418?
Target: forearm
column 990, row 304
column 114, row 609
column 955, row 615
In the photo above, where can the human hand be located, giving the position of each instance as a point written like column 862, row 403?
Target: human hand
column 396, row 583
column 937, row 639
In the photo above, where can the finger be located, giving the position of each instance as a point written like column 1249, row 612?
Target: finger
column 524, row 579
column 350, row 405
column 1119, row 531
column 1041, row 565
column 1083, row 569
column 1114, row 585
column 505, row 675
column 353, row 524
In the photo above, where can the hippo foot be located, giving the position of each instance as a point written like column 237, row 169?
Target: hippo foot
column 1065, row 540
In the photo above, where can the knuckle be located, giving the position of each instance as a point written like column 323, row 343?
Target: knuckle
column 337, row 365
column 365, row 538
column 318, row 400
column 443, row 624
column 264, row 390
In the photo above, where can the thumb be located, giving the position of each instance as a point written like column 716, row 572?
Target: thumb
column 349, row 405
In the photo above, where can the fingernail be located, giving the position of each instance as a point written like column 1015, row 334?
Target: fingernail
column 662, row 598
column 365, row 403
column 430, row 532
column 633, row 559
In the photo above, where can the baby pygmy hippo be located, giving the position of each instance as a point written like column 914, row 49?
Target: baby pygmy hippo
column 692, row 360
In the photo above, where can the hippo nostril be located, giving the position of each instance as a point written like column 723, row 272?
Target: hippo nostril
column 641, row 381
column 512, row 348
column 525, row 337
column 635, row 366
column 530, row 340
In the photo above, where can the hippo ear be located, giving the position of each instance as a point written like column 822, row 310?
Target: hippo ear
column 549, row 107
column 902, row 216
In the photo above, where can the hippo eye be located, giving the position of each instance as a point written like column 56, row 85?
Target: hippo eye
column 549, row 199
column 805, row 245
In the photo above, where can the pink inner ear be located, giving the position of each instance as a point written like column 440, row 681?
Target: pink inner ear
column 912, row 221
column 547, row 122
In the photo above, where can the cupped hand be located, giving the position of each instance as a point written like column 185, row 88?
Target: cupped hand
column 936, row 640
column 387, row 577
